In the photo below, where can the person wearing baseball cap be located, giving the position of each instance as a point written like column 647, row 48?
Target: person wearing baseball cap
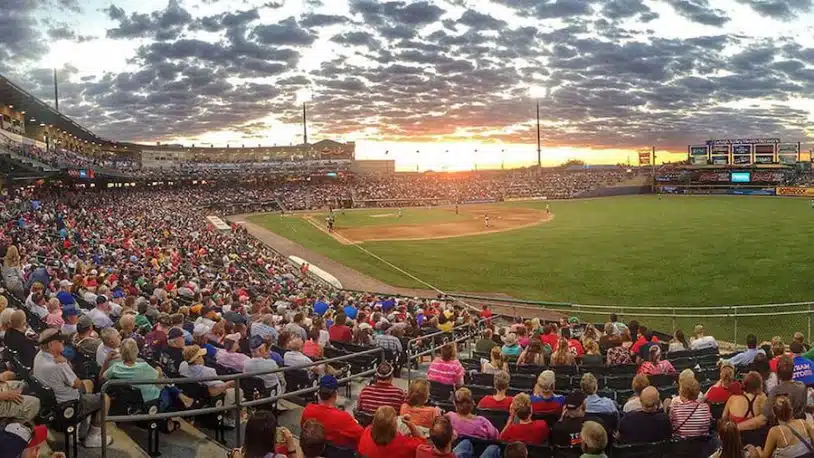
column 172, row 355
column 99, row 314
column 53, row 371
column 341, row 429
column 193, row 366
column 566, row 432
column 64, row 295
column 70, row 313
column 381, row 393
column 260, row 362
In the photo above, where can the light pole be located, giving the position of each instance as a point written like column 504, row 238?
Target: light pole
column 56, row 91
column 476, row 159
column 539, row 149
column 416, row 161
column 304, row 96
column 502, row 159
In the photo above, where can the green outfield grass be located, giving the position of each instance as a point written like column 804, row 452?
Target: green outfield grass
column 636, row 251
column 389, row 216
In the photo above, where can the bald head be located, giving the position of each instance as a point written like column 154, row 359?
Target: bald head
column 649, row 399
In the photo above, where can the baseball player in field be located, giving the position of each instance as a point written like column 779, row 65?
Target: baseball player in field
column 486, row 220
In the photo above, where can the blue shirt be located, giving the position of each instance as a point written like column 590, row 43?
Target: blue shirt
column 320, row 308
column 745, row 358
column 350, row 312
column 597, row 404
column 65, row 298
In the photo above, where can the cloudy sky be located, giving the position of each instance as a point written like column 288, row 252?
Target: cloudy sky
column 612, row 76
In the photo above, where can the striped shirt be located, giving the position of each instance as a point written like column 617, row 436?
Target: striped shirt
column 446, row 372
column 380, row 394
column 690, row 419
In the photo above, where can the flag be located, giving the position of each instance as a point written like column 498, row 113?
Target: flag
column 644, row 158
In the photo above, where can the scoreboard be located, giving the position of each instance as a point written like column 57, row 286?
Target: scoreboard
column 744, row 151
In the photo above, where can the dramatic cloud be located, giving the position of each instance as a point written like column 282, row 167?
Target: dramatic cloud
column 782, row 9
column 700, row 11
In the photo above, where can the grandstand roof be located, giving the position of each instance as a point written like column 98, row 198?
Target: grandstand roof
column 33, row 107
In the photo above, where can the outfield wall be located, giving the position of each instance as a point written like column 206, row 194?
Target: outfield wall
column 616, row 191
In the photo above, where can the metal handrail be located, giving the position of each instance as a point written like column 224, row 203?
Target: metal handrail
column 451, row 333
column 238, row 398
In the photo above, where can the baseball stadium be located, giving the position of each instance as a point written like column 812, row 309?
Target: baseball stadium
column 446, row 257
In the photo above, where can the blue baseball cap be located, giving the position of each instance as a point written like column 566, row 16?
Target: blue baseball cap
column 328, row 382
column 256, row 341
column 70, row 310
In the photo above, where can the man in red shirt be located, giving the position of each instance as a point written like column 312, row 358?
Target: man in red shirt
column 440, row 445
column 339, row 331
column 526, row 430
column 643, row 339
column 340, row 427
column 574, row 345
column 381, row 393
column 486, row 313
column 550, row 337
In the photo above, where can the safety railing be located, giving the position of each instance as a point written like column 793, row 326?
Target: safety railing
column 468, row 330
column 239, row 403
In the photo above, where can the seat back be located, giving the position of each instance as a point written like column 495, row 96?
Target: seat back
column 567, row 452
column 523, row 381
column 659, row 380
column 477, row 378
column 690, row 447
column 717, row 410
column 125, row 400
column 550, row 418
column 609, row 420
column 297, row 379
column 645, row 450
column 441, row 392
column 253, row 388
column 539, row 451
column 497, row 418
column 333, row 451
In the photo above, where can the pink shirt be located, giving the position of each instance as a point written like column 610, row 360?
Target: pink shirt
column 446, row 372
column 54, row 319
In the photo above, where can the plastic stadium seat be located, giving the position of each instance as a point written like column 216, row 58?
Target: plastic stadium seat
column 479, row 391
column 707, row 351
column 550, row 418
column 364, row 418
column 477, row 378
column 619, row 382
column 683, row 363
column 717, row 410
column 623, row 369
column 496, row 417
column 565, row 370
column 673, row 355
column 660, row 380
column 441, row 392
column 533, row 369
column 539, row 451
column 567, row 452
column 645, row 450
column 693, row 447
column 597, row 370
column 622, row 396
column 523, row 381
column 609, row 420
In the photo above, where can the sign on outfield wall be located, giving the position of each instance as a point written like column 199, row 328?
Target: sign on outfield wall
column 735, row 141
column 803, row 192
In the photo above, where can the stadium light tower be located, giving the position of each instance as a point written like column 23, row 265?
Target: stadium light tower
column 304, row 96
column 538, row 93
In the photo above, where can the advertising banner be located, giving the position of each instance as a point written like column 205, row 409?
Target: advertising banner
column 644, row 158
column 803, row 192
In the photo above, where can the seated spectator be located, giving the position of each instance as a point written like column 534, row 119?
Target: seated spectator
column 550, row 336
column 13, row 403
column 311, row 348
column 746, row 357
column 592, row 357
column 295, row 327
column 260, row 362
column 312, row 440
column 416, row 406
column 111, row 340
column 702, row 341
column 382, row 439
column 731, row 444
column 99, row 314
column 440, row 444
column 521, row 427
column 446, row 369
column 467, row 424
column 388, row 338
column 496, row 362
column 532, row 355
column 16, row 339
column 499, row 400
column 678, row 342
column 567, row 431
column 339, row 331
column 791, row 437
column 127, row 325
column 85, row 340
column 53, row 371
column 690, row 418
column 5, row 321
column 261, row 434
column 54, row 318
column 640, row 382
column 230, row 356
column 381, row 393
column 193, row 366
column 761, row 366
column 594, row 440
column 172, row 355
column 71, row 316
column 130, row 368
column 786, row 387
column 510, row 345
column 486, row 343
column 778, row 351
column 341, row 429
column 563, row 355
column 655, row 365
column 649, row 424
column 641, row 348
column 543, row 399
column 593, row 402
column 574, row 345
column 725, row 387
column 617, row 354
column 746, row 405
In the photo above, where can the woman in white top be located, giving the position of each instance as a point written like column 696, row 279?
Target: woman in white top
column 495, row 363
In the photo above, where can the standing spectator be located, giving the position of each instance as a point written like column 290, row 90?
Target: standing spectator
column 339, row 331
column 690, row 418
column 543, row 399
column 654, row 364
column 640, row 382
column 550, row 336
column 746, row 357
column 618, row 325
column 499, row 400
column 381, row 393
column 574, row 345
column 382, row 439
column 594, row 440
column 486, row 312
column 595, row 403
column 341, row 429
column 446, row 369
column 725, row 387
column 521, row 427
column 650, row 424
column 702, row 341
column 467, row 424
column 416, row 406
